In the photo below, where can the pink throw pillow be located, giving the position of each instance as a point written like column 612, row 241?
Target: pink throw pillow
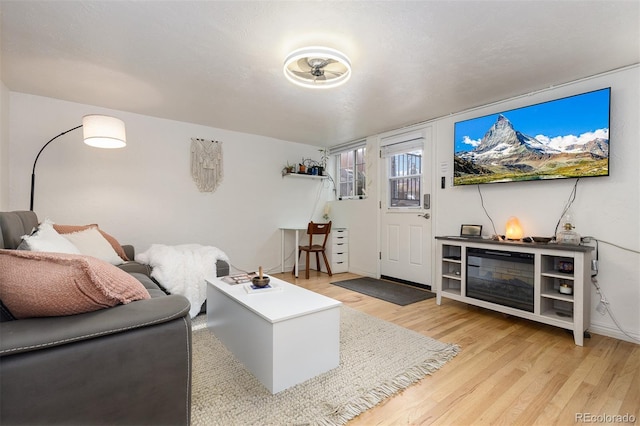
column 42, row 284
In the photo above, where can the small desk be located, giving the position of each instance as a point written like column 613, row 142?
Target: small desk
column 283, row 231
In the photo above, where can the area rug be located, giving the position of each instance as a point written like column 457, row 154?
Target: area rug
column 377, row 359
column 399, row 294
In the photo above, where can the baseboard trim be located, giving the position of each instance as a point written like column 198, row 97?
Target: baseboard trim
column 401, row 281
column 605, row 330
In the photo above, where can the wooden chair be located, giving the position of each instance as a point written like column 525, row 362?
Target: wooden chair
column 316, row 229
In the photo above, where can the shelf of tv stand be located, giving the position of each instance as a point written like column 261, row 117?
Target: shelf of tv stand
column 568, row 311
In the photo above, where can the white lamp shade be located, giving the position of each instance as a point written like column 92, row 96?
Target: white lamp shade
column 102, row 131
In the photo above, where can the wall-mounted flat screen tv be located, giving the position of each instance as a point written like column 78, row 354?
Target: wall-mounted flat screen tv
column 563, row 138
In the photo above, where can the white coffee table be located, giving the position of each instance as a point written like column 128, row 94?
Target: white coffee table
column 283, row 337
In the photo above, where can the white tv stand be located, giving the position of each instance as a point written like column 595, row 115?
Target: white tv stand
column 568, row 311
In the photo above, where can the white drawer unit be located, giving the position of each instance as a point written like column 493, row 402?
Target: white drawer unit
column 338, row 250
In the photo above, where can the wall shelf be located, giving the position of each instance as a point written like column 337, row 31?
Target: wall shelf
column 304, row 176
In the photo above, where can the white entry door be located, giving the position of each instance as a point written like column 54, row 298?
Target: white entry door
column 405, row 207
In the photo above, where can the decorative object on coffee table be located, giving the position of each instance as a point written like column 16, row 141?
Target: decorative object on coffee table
column 261, row 280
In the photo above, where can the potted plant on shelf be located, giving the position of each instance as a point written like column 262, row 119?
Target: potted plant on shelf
column 288, row 169
column 322, row 165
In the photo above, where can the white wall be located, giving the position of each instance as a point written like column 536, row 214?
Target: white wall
column 607, row 208
column 361, row 218
column 4, row 139
column 4, row 147
column 144, row 194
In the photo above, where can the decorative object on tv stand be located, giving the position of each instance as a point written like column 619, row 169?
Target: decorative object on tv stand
column 567, row 235
column 206, row 164
column 565, row 287
column 99, row 131
column 514, row 229
column 317, row 67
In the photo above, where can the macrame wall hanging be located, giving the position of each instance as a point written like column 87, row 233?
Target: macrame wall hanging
column 206, row 164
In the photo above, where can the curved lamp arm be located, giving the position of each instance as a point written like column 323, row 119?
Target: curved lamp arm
column 33, row 171
column 99, row 131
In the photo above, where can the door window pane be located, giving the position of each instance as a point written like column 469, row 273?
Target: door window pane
column 405, row 177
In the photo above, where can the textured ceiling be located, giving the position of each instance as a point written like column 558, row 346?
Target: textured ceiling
column 220, row 63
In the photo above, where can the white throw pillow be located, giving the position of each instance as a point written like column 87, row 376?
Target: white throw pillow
column 47, row 239
column 90, row 242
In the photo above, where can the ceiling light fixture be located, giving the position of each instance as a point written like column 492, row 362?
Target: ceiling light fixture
column 317, row 67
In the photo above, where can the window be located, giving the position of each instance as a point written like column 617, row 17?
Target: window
column 405, row 176
column 403, row 156
column 351, row 170
column 352, row 180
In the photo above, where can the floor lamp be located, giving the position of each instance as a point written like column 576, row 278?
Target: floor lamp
column 99, row 131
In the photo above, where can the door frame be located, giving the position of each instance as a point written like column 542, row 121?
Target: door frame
column 427, row 131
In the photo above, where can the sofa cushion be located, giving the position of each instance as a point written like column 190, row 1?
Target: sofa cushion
column 90, row 242
column 45, row 238
column 67, row 229
column 40, row 284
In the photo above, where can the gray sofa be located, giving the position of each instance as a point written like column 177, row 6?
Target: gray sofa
column 129, row 365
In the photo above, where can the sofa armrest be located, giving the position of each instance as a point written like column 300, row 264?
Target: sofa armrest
column 130, row 251
column 126, row 365
column 37, row 333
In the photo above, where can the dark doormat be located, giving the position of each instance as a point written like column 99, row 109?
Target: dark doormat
column 399, row 294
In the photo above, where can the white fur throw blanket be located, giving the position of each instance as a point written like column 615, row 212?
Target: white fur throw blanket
column 182, row 269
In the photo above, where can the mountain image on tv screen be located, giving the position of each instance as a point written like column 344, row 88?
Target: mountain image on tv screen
column 564, row 138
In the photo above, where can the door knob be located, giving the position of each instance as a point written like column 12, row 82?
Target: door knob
column 426, row 215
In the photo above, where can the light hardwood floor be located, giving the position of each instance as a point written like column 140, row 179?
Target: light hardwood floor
column 510, row 371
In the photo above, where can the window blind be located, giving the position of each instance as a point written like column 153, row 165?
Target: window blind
column 399, row 144
column 349, row 146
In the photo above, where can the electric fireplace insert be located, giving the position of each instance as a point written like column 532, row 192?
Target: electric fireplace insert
column 501, row 277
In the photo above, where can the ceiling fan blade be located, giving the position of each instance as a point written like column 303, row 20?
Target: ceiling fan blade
column 320, row 77
column 300, row 74
column 303, row 65
column 326, row 62
column 336, row 73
